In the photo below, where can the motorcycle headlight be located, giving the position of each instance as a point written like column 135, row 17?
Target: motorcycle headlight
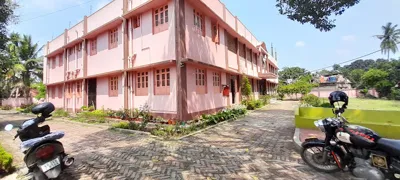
column 320, row 125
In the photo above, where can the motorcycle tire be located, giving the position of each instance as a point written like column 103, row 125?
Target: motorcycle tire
column 329, row 168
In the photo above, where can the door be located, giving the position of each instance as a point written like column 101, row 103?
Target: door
column 233, row 90
column 92, row 88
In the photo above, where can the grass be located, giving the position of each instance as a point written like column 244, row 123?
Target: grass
column 373, row 104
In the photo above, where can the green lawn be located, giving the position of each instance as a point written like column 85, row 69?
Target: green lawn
column 373, row 104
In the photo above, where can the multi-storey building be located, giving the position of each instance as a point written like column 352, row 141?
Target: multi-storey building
column 175, row 55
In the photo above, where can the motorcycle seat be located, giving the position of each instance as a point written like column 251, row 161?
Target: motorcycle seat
column 390, row 146
column 26, row 145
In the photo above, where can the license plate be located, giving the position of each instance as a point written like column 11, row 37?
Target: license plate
column 50, row 165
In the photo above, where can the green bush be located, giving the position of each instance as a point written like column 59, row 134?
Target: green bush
column 311, row 99
column 6, row 160
column 26, row 108
column 121, row 125
column 6, row 107
column 96, row 116
column 395, row 94
column 41, row 88
column 265, row 99
column 258, row 103
column 325, row 105
column 60, row 113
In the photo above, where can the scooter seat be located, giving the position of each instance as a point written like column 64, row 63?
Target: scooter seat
column 25, row 145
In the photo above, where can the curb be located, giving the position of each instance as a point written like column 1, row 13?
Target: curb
column 129, row 131
column 296, row 140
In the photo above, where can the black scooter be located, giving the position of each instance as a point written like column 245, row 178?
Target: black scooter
column 44, row 155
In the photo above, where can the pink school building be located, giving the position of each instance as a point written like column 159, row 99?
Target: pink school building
column 175, row 55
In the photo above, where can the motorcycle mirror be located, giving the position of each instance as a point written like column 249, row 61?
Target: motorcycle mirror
column 8, row 127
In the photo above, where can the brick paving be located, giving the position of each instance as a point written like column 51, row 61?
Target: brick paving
column 258, row 146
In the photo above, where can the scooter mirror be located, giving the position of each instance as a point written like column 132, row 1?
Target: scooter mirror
column 8, row 127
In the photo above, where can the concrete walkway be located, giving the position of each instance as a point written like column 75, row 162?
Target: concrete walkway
column 258, row 146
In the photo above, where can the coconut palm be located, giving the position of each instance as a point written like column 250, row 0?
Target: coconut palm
column 26, row 66
column 389, row 39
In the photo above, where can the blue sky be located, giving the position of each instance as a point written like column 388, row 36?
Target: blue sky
column 297, row 44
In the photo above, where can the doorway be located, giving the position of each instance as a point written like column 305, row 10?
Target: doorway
column 233, row 90
column 92, row 92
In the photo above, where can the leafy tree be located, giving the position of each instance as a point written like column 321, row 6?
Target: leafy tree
column 26, row 66
column 41, row 88
column 317, row 13
column 384, row 87
column 355, row 77
column 246, row 87
column 389, row 39
column 7, row 8
column 373, row 76
column 291, row 73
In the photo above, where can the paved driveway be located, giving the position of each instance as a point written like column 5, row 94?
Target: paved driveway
column 258, row 146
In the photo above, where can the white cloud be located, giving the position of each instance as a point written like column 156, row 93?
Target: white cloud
column 300, row 44
column 348, row 38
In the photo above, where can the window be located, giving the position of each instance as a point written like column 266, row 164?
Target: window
column 231, row 42
column 68, row 94
column 242, row 50
column 53, row 62
column 160, row 19
column 53, row 92
column 93, row 47
column 215, row 32
column 60, row 90
column 199, row 22
column 248, row 57
column 136, row 21
column 217, row 82
column 60, row 60
column 162, row 82
column 71, row 51
column 78, row 89
column 79, row 47
column 113, row 38
column 113, row 86
column 201, row 81
column 142, row 83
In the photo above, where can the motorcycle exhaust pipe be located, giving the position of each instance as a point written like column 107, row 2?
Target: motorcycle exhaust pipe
column 68, row 161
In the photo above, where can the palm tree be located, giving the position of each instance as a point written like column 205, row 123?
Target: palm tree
column 389, row 39
column 26, row 66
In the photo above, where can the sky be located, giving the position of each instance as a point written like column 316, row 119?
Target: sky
column 296, row 44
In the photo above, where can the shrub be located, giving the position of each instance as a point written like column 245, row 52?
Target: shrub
column 121, row 125
column 60, row 113
column 325, row 105
column 395, row 94
column 26, row 108
column 246, row 87
column 258, row 103
column 6, row 107
column 96, row 116
column 6, row 160
column 265, row 99
column 311, row 100
column 41, row 88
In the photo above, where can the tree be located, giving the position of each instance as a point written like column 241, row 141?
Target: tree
column 317, row 13
column 373, row 76
column 355, row 77
column 384, row 87
column 26, row 66
column 246, row 87
column 7, row 8
column 389, row 39
column 291, row 73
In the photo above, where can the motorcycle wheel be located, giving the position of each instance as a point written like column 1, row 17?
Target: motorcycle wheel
column 38, row 175
column 313, row 156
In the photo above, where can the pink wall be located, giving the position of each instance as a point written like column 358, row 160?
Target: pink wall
column 56, row 43
column 71, row 60
column 157, row 103
column 232, row 60
column 216, row 6
column 230, row 19
column 202, row 48
column 106, row 14
column 56, row 74
column 16, row 102
column 200, row 102
column 75, row 32
column 57, row 101
column 152, row 48
column 241, row 29
column 136, row 3
column 104, row 100
column 105, row 60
